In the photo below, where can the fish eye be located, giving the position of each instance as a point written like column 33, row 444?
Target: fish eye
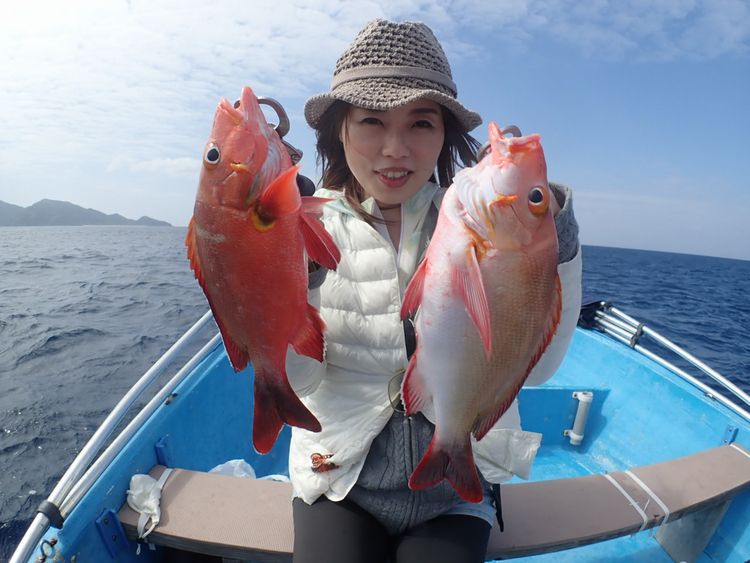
column 212, row 156
column 538, row 202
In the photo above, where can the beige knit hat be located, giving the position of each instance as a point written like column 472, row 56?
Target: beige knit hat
column 391, row 64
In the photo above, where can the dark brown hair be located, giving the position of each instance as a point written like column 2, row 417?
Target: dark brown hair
column 457, row 146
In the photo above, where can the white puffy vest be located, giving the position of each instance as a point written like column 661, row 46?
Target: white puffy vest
column 360, row 303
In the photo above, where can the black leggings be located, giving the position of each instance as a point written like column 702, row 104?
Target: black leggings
column 342, row 532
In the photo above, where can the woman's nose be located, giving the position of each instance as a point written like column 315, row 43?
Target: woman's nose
column 395, row 145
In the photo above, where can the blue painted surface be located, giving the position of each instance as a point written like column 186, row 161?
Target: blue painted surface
column 641, row 414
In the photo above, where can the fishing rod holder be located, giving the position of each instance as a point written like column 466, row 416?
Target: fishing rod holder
column 575, row 434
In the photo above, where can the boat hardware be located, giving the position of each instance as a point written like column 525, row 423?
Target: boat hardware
column 112, row 533
column 511, row 130
column 606, row 318
column 576, row 433
column 163, row 451
column 730, row 434
column 283, row 127
column 47, row 549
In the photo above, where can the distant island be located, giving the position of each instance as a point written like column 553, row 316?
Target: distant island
column 50, row 212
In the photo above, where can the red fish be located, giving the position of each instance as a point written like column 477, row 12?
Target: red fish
column 248, row 243
column 489, row 302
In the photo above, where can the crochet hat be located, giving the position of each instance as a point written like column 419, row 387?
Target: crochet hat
column 391, row 64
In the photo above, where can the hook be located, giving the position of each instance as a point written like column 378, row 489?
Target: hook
column 510, row 130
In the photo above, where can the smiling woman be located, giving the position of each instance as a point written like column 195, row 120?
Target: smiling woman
column 390, row 137
column 393, row 153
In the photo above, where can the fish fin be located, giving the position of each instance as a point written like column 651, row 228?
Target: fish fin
column 276, row 403
column 238, row 357
column 309, row 339
column 319, row 244
column 313, row 205
column 281, row 197
column 554, row 321
column 470, row 287
column 413, row 390
column 192, row 252
column 454, row 462
column 485, row 422
column 414, row 291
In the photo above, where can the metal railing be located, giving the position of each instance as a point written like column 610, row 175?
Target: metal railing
column 621, row 326
column 82, row 474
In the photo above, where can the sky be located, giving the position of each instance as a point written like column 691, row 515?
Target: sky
column 643, row 106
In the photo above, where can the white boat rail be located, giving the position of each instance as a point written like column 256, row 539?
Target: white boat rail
column 621, row 326
column 82, row 474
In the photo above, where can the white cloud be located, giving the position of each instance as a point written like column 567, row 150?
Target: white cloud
column 90, row 90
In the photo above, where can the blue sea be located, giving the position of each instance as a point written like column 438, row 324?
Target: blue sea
column 85, row 311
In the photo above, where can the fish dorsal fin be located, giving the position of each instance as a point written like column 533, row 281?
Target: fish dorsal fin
column 413, row 293
column 468, row 283
column 192, row 253
column 486, row 421
column 318, row 242
column 554, row 320
column 281, row 197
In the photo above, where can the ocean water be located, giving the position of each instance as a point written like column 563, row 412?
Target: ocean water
column 85, row 311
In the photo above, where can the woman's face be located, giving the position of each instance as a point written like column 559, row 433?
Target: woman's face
column 393, row 153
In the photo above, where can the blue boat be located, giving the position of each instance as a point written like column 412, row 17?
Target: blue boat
column 641, row 460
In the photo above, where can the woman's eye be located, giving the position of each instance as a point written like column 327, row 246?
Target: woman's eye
column 371, row 121
column 423, row 124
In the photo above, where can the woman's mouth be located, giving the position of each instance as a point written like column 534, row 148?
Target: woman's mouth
column 393, row 178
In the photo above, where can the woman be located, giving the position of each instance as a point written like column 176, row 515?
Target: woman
column 389, row 123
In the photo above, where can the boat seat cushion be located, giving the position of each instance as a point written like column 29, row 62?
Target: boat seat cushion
column 243, row 518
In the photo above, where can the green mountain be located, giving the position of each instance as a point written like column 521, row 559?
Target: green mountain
column 48, row 212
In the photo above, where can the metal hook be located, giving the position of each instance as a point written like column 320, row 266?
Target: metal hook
column 283, row 127
column 511, row 130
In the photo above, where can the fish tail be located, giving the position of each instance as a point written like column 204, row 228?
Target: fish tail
column 276, row 403
column 454, row 462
